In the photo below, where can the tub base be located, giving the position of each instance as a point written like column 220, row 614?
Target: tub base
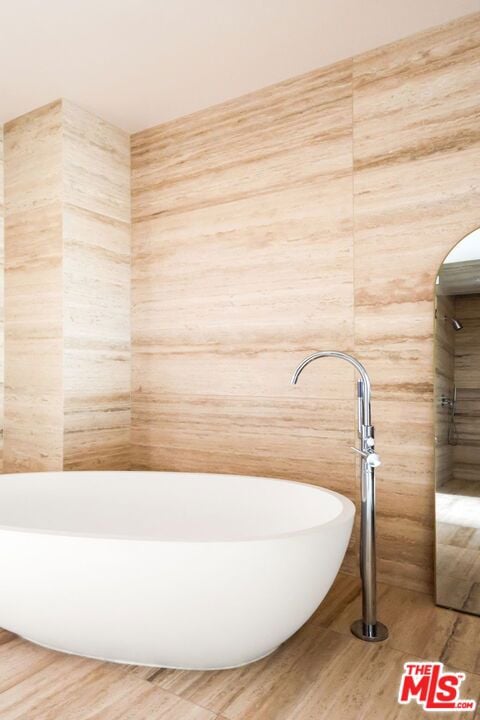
column 160, row 667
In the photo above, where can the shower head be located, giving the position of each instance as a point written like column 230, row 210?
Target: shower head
column 456, row 324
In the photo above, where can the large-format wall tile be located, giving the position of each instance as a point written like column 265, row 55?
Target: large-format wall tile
column 242, row 265
column 230, row 434
column 96, row 267
column 33, row 157
column 416, row 193
column 33, row 358
column 210, row 307
column 33, row 292
column 416, row 170
column 2, row 298
column 96, row 164
column 67, row 291
column 282, row 137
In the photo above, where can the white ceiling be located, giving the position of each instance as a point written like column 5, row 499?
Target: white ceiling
column 466, row 250
column 141, row 62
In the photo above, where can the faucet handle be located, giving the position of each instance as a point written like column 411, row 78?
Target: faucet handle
column 371, row 458
column 360, row 452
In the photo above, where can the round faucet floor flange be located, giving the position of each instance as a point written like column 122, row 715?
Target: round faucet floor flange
column 374, row 633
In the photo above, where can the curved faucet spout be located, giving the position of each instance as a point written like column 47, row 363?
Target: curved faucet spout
column 366, row 389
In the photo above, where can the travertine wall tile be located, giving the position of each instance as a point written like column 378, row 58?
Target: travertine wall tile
column 33, row 292
column 444, row 381
column 244, row 261
column 67, row 291
column 33, row 153
column 416, row 193
column 243, row 215
column 2, row 297
column 96, row 164
column 96, row 278
column 467, row 379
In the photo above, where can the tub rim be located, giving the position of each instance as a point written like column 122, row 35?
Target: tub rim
column 346, row 513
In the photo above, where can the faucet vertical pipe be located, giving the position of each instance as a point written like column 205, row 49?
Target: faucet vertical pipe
column 368, row 548
column 367, row 628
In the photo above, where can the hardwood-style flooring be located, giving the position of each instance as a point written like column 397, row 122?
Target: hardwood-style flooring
column 321, row 672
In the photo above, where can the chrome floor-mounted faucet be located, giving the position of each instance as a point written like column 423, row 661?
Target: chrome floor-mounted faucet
column 367, row 628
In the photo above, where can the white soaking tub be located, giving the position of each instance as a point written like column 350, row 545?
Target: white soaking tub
column 166, row 569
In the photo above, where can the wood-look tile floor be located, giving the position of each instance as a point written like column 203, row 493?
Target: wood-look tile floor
column 321, row 672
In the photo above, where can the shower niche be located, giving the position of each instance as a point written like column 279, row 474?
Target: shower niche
column 457, row 427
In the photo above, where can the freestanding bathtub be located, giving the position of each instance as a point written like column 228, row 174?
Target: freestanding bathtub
column 165, row 569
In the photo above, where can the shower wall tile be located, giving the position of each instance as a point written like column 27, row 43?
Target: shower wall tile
column 444, row 380
column 33, row 292
column 96, row 274
column 242, row 216
column 467, row 342
column 416, row 193
column 467, row 379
